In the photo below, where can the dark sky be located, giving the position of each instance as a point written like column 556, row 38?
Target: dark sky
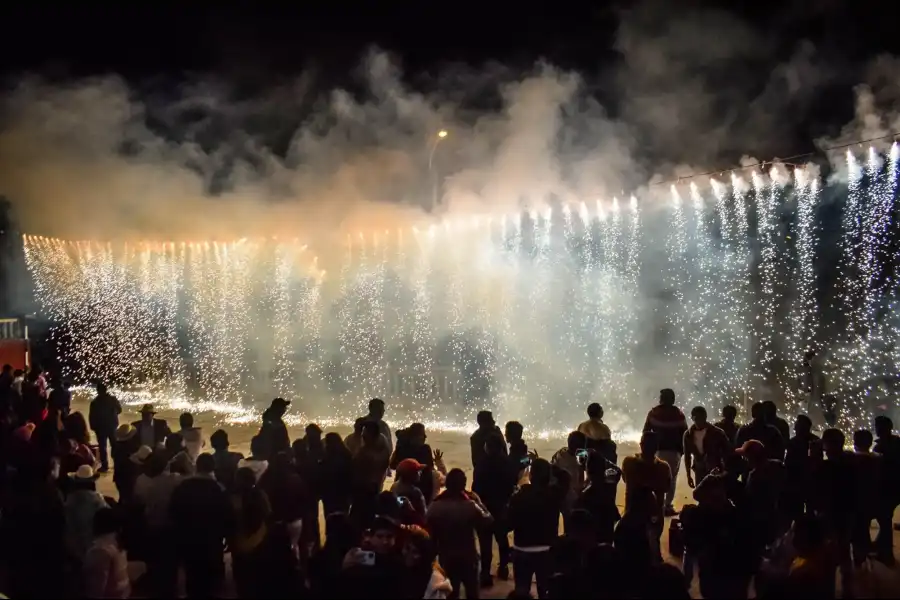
column 825, row 45
column 283, row 38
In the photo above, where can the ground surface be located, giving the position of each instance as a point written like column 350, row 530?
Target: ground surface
column 874, row 581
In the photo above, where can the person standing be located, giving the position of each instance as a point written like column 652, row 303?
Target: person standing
column 376, row 414
column 533, row 518
column 728, row 424
column 152, row 432
column 494, row 482
column 274, row 430
column 103, row 417
column 888, row 446
column 705, row 447
column 453, row 519
column 60, row 397
column 798, row 466
column 763, row 432
column 487, row 427
column 594, row 429
column 645, row 476
column 669, row 424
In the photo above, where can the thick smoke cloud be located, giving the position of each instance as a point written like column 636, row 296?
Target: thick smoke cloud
column 692, row 92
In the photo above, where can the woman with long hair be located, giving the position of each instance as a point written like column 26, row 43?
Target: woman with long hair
column 423, row 576
column 336, row 472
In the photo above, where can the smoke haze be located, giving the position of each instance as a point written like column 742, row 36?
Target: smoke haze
column 98, row 158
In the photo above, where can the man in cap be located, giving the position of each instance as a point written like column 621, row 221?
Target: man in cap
column 274, row 430
column 103, row 417
column 150, row 430
column 409, row 471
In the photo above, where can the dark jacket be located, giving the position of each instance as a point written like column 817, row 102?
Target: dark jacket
column 275, row 432
column 495, row 481
column 479, row 438
column 533, row 515
column 730, row 429
column 103, row 415
column 669, row 424
column 226, row 467
column 61, row 400
column 783, row 428
column 336, row 479
column 200, row 511
column 160, row 430
column 796, row 456
column 452, row 521
column 288, row 495
column 761, row 431
column 716, row 447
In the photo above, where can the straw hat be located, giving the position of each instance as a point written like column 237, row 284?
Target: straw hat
column 125, row 432
column 85, row 473
column 142, row 454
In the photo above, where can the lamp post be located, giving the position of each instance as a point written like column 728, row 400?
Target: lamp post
column 434, row 189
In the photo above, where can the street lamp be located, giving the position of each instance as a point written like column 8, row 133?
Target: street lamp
column 434, row 191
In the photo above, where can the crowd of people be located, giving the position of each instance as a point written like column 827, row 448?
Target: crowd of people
column 772, row 512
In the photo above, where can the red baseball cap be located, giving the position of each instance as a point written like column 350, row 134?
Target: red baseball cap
column 752, row 449
column 408, row 466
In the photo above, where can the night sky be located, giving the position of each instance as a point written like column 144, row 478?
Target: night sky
column 259, row 47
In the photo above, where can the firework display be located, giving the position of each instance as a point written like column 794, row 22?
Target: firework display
column 718, row 291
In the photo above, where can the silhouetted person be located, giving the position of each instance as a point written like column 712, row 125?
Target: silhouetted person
column 888, row 446
column 370, row 466
column 728, row 423
column 705, row 447
column 534, row 512
column 837, row 497
column 763, row 492
column 337, row 475
column 226, row 461
column 453, row 519
column 645, row 473
column 273, row 430
column 599, row 496
column 257, row 461
column 103, row 417
column 868, row 468
column 61, row 397
column 201, row 519
column 105, row 566
column 770, row 411
column 594, row 429
column 494, row 481
column 486, row 427
column 152, row 432
column 514, row 433
column 762, row 431
column 289, row 499
column 799, row 466
column 411, row 444
column 376, row 415
column 669, row 423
